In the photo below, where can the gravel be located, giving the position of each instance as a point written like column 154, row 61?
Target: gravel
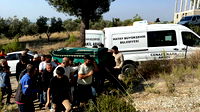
column 186, row 98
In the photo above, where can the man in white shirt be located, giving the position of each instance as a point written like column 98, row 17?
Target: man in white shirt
column 119, row 59
column 68, row 69
column 85, row 77
column 42, row 65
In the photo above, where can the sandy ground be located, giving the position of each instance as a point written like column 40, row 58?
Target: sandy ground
column 185, row 98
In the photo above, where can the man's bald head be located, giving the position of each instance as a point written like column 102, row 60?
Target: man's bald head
column 66, row 61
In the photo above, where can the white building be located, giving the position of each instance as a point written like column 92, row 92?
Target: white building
column 186, row 8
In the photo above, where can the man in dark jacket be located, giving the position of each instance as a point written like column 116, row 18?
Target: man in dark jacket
column 25, row 103
column 46, row 77
column 21, row 65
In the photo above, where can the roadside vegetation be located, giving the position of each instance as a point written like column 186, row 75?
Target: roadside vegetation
column 173, row 72
column 14, row 27
column 110, row 103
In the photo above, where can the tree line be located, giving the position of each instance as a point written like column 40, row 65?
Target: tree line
column 15, row 27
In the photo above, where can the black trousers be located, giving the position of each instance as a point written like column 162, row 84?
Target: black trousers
column 26, row 107
column 84, row 92
column 7, row 91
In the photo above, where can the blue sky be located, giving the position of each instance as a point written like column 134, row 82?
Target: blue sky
column 123, row 9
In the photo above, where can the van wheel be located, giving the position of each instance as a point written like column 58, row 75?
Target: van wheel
column 128, row 69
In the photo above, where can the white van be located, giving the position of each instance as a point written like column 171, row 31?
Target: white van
column 147, row 42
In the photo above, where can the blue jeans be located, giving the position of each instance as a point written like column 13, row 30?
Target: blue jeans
column 26, row 107
column 43, row 97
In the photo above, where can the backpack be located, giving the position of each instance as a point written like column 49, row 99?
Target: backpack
column 20, row 97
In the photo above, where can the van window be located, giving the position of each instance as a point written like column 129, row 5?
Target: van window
column 189, row 39
column 161, row 38
column 187, row 18
column 12, row 57
column 194, row 18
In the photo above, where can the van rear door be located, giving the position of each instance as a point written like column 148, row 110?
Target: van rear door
column 131, row 41
column 94, row 38
column 163, row 44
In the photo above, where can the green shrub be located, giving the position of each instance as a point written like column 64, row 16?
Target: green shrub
column 150, row 69
column 153, row 68
column 170, row 82
column 178, row 74
column 10, row 108
column 194, row 60
column 2, row 36
column 13, row 46
column 71, row 39
column 130, row 81
column 197, row 73
column 151, row 89
column 109, row 103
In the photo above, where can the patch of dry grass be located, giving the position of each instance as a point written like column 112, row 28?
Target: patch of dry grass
column 46, row 48
column 197, row 73
column 57, row 35
column 172, row 72
column 5, row 41
column 151, row 89
column 10, row 108
column 39, row 42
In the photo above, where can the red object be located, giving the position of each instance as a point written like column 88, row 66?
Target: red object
column 2, row 54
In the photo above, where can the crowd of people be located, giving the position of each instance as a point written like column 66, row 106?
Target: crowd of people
column 58, row 86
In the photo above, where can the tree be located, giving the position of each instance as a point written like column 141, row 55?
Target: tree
column 42, row 25
column 86, row 10
column 33, row 29
column 116, row 22
column 127, row 22
column 4, row 27
column 100, row 24
column 137, row 18
column 14, row 27
column 71, row 25
column 56, row 25
column 25, row 26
